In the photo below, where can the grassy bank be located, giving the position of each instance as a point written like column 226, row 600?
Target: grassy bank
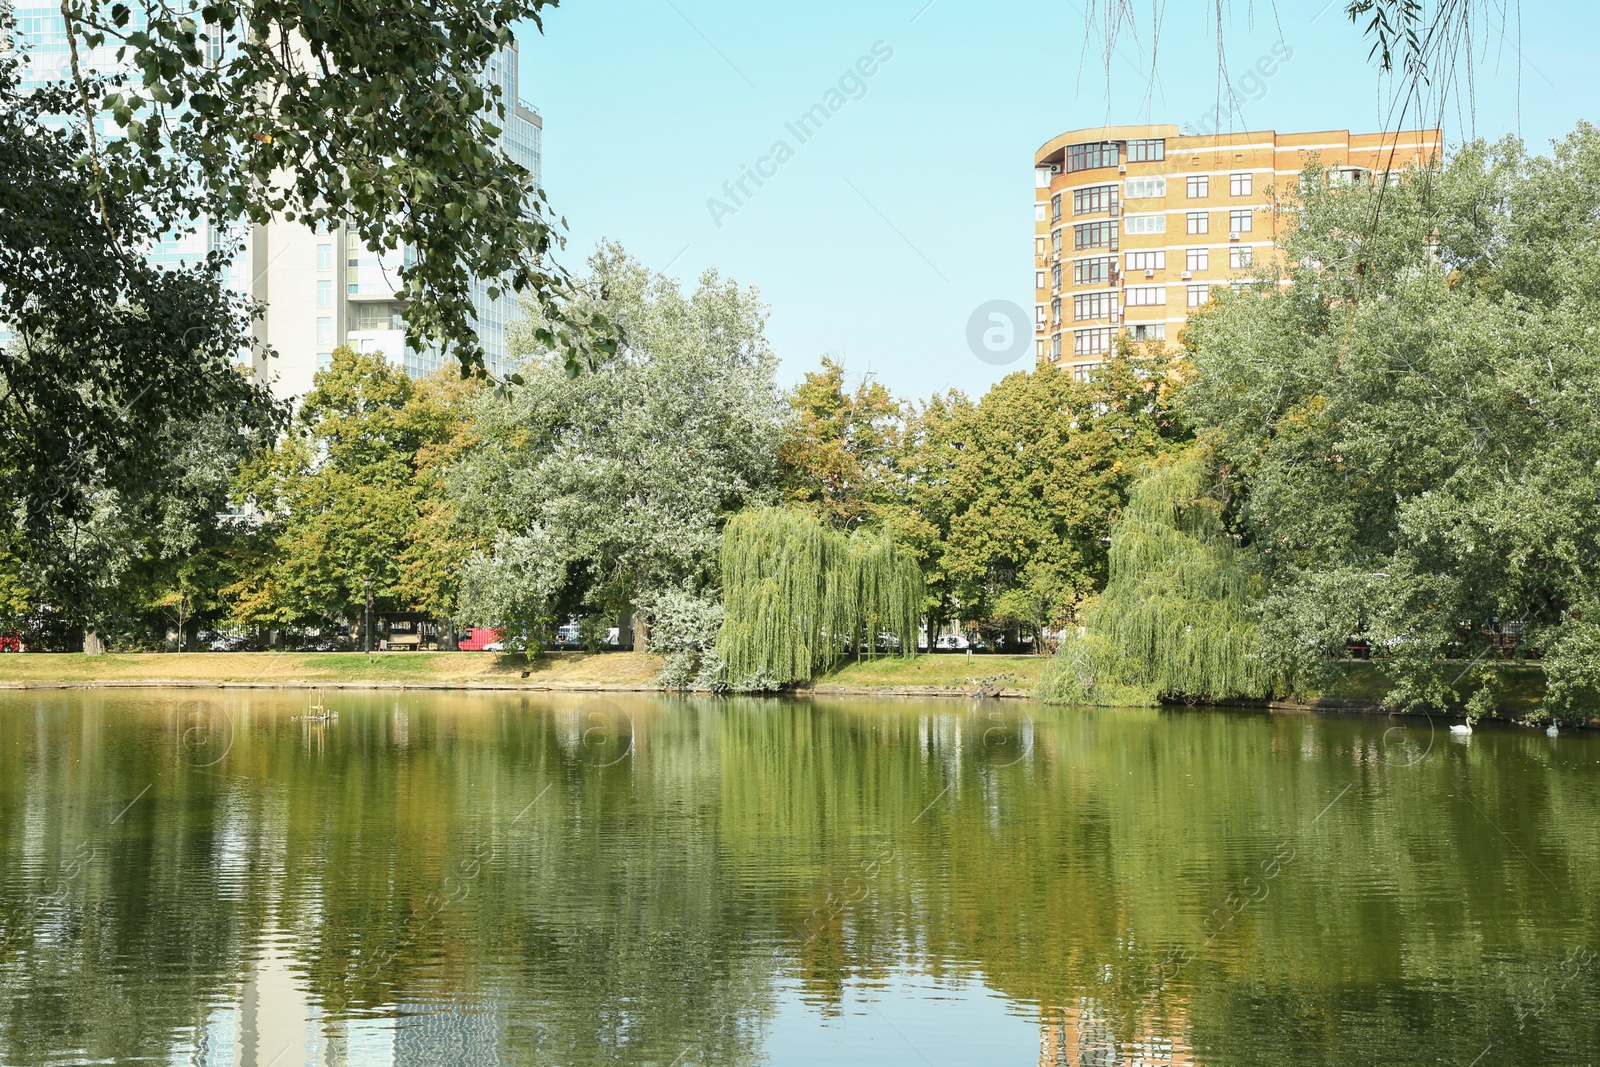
column 481, row 668
column 405, row 668
column 1360, row 684
column 946, row 672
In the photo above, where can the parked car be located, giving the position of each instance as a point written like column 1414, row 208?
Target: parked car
column 949, row 643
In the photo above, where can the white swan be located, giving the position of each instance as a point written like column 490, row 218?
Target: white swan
column 1553, row 730
column 1461, row 727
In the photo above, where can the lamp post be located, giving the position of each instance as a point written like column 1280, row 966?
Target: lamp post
column 366, row 625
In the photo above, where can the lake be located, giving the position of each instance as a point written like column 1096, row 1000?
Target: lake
column 202, row 877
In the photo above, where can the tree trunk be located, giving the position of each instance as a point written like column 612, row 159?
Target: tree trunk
column 92, row 645
column 641, row 634
column 450, row 643
column 625, row 630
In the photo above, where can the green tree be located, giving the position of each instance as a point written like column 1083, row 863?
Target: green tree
column 375, row 114
column 114, row 365
column 1030, row 479
column 801, row 594
column 1177, row 619
column 594, row 493
column 842, row 447
column 1410, row 429
column 352, row 500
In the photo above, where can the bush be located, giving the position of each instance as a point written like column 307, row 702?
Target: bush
column 683, row 632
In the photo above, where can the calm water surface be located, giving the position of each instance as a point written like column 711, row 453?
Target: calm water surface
column 202, row 878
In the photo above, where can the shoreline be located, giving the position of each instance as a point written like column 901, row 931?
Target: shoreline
column 1000, row 677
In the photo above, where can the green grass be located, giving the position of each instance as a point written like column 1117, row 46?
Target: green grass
column 943, row 671
column 612, row 668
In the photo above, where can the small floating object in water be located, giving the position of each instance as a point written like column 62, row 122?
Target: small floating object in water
column 1553, row 730
column 1461, row 728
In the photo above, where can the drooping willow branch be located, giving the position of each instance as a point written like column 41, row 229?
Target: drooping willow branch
column 800, row 594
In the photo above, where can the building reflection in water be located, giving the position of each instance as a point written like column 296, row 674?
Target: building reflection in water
column 1084, row 1035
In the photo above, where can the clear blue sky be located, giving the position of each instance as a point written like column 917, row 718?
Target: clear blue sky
column 913, row 204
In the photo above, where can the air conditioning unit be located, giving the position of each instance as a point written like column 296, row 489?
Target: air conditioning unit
column 1234, row 236
column 1122, row 168
column 1149, row 273
column 1186, row 275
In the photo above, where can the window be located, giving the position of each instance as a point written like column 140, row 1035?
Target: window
column 1082, row 372
column 1239, row 185
column 1147, row 260
column 1038, row 213
column 1055, row 347
column 1147, row 296
column 1094, row 235
column 325, row 330
column 324, row 293
column 1092, row 342
column 379, row 316
column 1038, row 315
column 1055, row 276
column 1094, row 306
column 1095, row 271
column 1142, row 188
column 1198, row 259
column 1241, row 257
column 324, row 257
column 1241, row 221
column 1085, row 156
column 1199, row 186
column 1038, row 279
column 1198, row 222
column 352, row 249
column 1150, row 150
column 1055, row 242
column 1147, row 224
column 1055, row 311
column 1198, row 295
column 324, row 361
column 1055, row 208
column 1094, row 198
column 1148, row 331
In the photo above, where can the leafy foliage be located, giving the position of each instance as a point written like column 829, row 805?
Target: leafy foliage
column 841, row 452
column 375, row 114
column 1027, row 482
column 1177, row 617
column 683, row 632
column 1409, row 429
column 593, row 493
column 120, row 381
column 354, row 495
column 800, row 594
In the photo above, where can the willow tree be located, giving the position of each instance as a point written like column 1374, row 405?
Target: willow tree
column 800, row 594
column 1177, row 617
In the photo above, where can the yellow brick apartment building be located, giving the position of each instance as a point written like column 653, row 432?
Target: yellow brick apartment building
column 1135, row 225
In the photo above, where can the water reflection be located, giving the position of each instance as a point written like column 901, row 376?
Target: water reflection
column 582, row 880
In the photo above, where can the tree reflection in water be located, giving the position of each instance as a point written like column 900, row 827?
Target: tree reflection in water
column 496, row 878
